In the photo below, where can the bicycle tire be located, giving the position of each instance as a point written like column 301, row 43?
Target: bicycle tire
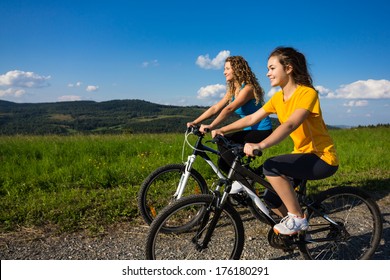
column 227, row 240
column 361, row 226
column 158, row 188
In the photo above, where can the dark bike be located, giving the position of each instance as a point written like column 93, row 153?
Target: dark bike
column 336, row 228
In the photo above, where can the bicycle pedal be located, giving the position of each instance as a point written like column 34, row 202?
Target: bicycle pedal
column 283, row 242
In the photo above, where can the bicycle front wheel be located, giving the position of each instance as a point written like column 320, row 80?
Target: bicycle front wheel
column 357, row 232
column 158, row 189
column 226, row 242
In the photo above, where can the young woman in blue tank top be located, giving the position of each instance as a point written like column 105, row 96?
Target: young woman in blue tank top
column 244, row 96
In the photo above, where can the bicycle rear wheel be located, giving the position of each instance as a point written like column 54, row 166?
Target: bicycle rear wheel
column 358, row 230
column 158, row 189
column 227, row 240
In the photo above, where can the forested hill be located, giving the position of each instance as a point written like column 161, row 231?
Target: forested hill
column 86, row 117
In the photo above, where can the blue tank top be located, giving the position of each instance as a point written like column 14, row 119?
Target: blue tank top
column 249, row 108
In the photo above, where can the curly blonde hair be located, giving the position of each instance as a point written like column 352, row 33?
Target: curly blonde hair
column 244, row 75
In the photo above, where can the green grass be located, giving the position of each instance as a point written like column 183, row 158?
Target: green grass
column 89, row 182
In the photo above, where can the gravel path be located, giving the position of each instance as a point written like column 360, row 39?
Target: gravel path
column 126, row 242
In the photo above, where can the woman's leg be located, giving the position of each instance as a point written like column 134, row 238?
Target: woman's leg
column 278, row 171
column 287, row 194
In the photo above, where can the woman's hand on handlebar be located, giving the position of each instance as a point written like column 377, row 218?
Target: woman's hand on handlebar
column 252, row 149
column 204, row 128
column 191, row 124
column 216, row 132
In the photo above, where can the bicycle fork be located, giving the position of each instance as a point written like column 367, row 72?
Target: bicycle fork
column 217, row 203
column 187, row 172
column 184, row 177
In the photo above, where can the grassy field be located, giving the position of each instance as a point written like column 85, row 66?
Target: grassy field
column 88, row 182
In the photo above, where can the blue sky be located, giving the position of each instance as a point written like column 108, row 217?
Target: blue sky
column 172, row 52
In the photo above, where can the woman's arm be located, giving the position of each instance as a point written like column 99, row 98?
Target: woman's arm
column 241, row 123
column 280, row 133
column 245, row 95
column 210, row 111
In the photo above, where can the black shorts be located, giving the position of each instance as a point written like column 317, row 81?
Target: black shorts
column 297, row 166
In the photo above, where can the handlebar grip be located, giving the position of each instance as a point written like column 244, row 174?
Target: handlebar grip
column 207, row 130
column 257, row 152
column 193, row 128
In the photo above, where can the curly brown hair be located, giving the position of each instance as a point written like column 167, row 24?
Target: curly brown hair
column 244, row 75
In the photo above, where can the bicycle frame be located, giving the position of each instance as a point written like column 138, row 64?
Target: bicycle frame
column 245, row 172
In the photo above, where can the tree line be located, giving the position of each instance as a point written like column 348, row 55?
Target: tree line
column 90, row 117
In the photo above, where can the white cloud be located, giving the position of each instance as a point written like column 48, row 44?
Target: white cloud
column 17, row 78
column 78, row 84
column 211, row 92
column 154, row 63
column 12, row 92
column 356, row 103
column 272, row 91
column 204, row 61
column 323, row 91
column 369, row 89
column 69, row 98
column 92, row 88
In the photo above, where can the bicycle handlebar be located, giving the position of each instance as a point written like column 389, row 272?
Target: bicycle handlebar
column 228, row 144
column 236, row 147
column 195, row 130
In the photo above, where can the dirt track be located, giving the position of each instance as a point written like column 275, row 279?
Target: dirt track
column 126, row 242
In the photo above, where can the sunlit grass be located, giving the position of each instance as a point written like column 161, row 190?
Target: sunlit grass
column 89, row 182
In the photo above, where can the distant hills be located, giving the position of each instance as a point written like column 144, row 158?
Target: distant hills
column 89, row 117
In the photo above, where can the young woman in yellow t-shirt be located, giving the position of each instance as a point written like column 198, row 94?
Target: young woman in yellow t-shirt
column 298, row 109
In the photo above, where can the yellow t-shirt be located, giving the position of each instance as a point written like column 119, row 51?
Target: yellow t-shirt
column 312, row 135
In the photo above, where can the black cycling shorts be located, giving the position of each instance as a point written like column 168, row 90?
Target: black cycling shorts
column 297, row 166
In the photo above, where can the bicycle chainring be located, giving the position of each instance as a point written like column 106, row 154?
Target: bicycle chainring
column 283, row 242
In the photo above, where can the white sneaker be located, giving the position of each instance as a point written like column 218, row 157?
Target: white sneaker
column 236, row 187
column 291, row 224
